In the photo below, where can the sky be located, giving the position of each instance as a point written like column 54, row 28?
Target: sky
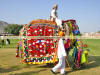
column 85, row 12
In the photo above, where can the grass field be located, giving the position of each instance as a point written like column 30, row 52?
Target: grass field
column 10, row 65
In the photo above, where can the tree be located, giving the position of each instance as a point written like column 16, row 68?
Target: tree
column 13, row 29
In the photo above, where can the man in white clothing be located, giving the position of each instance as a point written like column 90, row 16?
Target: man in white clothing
column 61, row 56
column 54, row 16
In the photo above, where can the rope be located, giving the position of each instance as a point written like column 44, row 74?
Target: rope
column 68, row 64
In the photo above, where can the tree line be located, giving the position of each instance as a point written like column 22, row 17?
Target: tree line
column 13, row 29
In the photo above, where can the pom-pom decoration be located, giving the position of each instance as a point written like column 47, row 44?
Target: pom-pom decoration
column 37, row 50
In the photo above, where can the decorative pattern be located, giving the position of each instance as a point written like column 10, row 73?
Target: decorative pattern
column 36, row 50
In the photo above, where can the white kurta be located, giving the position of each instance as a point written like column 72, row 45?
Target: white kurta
column 60, row 53
column 61, row 50
column 54, row 15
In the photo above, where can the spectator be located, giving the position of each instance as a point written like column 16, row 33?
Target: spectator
column 2, row 39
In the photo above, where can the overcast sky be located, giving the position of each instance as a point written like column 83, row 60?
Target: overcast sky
column 85, row 12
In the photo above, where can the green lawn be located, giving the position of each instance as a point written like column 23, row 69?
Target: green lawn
column 10, row 65
column 94, row 46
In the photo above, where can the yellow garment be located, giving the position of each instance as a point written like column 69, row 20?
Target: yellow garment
column 86, row 52
column 85, row 57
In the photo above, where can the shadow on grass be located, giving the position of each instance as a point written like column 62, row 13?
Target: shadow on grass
column 30, row 73
column 19, row 67
column 13, row 68
column 94, row 61
column 49, row 65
